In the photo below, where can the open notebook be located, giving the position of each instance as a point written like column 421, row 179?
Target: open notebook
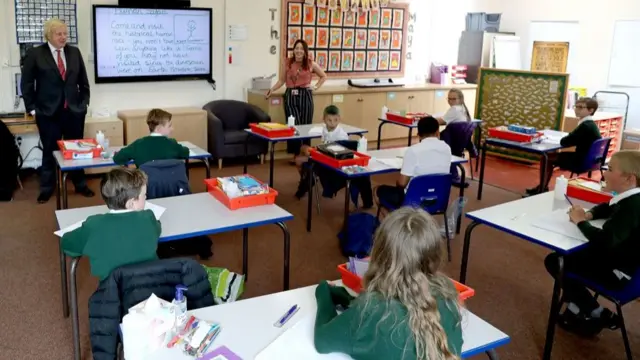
column 559, row 223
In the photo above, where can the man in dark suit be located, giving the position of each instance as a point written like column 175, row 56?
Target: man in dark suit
column 55, row 89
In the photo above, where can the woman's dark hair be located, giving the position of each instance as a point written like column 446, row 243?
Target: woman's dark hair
column 305, row 59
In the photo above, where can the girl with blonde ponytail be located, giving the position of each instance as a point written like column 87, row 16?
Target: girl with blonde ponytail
column 408, row 309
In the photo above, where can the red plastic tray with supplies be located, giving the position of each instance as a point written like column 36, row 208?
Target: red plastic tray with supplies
column 275, row 133
column 354, row 282
column 502, row 133
column 359, row 159
column 242, row 201
column 408, row 119
column 576, row 191
column 88, row 149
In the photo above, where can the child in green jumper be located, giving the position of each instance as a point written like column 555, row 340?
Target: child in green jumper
column 127, row 234
column 610, row 258
column 408, row 309
column 156, row 146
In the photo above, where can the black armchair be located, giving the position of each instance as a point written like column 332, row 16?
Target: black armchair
column 227, row 120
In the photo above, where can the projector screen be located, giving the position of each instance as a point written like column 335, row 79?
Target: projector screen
column 133, row 45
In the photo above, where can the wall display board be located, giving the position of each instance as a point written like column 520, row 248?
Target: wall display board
column 550, row 56
column 349, row 42
column 31, row 15
column 520, row 97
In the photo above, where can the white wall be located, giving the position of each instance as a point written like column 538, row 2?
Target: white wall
column 436, row 31
column 592, row 53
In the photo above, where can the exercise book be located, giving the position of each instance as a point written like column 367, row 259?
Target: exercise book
column 558, row 222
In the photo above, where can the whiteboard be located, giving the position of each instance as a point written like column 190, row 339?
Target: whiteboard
column 139, row 43
column 557, row 31
column 623, row 68
column 506, row 53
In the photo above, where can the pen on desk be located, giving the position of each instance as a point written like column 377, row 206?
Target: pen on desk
column 568, row 200
column 288, row 315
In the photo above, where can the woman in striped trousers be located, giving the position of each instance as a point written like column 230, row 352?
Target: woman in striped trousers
column 296, row 73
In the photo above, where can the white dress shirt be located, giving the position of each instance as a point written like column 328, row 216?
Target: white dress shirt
column 338, row 134
column 54, row 52
column 454, row 114
column 429, row 156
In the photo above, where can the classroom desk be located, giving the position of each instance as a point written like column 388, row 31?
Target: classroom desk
column 303, row 134
column 516, row 218
column 64, row 166
column 415, row 125
column 21, row 125
column 542, row 148
column 374, row 168
column 247, row 329
column 185, row 217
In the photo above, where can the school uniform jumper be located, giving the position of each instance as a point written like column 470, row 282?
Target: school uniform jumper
column 429, row 156
column 149, row 148
column 298, row 100
column 611, row 256
column 111, row 240
column 379, row 330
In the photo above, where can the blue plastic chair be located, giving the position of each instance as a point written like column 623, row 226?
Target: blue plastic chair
column 618, row 297
column 430, row 193
column 595, row 159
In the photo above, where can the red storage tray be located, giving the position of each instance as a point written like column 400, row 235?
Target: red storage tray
column 80, row 154
column 502, row 133
column 242, row 201
column 579, row 192
column 354, row 282
column 360, row 159
column 272, row 133
column 408, row 119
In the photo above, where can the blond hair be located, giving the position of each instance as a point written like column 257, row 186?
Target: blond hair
column 461, row 97
column 628, row 162
column 120, row 185
column 157, row 117
column 405, row 266
column 50, row 26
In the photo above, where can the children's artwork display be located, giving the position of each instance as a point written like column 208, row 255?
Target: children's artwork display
column 527, row 98
column 348, row 42
column 550, row 56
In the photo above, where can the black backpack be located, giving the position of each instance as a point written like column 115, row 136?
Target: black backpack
column 9, row 163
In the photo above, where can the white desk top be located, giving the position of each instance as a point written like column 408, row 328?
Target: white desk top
column 67, row 165
column 516, row 218
column 247, row 329
column 415, row 123
column 192, row 215
column 303, row 132
column 549, row 143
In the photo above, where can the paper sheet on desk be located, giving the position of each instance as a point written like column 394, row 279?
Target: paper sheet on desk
column 316, row 130
column 156, row 209
column 395, row 163
column 297, row 343
column 191, row 153
column 558, row 222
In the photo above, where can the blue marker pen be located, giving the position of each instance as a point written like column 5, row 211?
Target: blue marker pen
column 288, row 315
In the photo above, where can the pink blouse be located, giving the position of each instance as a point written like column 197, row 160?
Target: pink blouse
column 297, row 77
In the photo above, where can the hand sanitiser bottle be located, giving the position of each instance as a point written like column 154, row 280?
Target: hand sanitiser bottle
column 100, row 138
column 291, row 121
column 561, row 187
column 180, row 301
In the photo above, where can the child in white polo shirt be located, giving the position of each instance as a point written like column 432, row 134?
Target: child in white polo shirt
column 430, row 156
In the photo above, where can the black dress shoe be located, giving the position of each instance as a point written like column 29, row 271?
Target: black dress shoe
column 85, row 191
column 458, row 184
column 44, row 197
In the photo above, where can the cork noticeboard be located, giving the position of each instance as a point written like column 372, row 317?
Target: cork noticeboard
column 550, row 56
column 347, row 44
column 520, row 97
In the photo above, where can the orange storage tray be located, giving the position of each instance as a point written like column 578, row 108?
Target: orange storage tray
column 360, row 159
column 504, row 134
column 408, row 119
column 242, row 201
column 272, row 133
column 582, row 193
column 80, row 154
column 354, row 282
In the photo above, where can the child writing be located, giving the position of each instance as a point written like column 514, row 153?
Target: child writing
column 611, row 257
column 458, row 110
column 408, row 310
column 582, row 137
column 156, row 146
column 127, row 234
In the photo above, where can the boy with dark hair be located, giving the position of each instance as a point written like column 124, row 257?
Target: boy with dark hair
column 582, row 137
column 125, row 235
column 156, row 146
column 430, row 156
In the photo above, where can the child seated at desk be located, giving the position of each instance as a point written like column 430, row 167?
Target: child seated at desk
column 156, row 146
column 611, row 257
column 582, row 137
column 458, row 110
column 408, row 309
column 430, row 156
column 331, row 132
column 125, row 235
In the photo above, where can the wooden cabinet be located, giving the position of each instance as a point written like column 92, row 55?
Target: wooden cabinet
column 361, row 107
